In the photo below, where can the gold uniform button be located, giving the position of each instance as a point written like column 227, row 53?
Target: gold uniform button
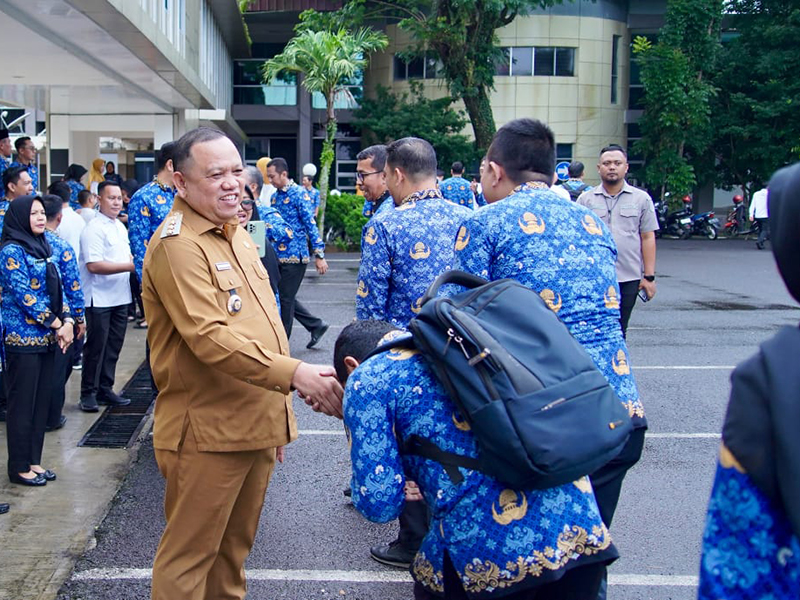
column 278, row 388
column 246, row 245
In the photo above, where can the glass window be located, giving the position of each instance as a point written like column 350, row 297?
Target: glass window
column 614, row 68
column 246, row 72
column 563, row 152
column 521, row 61
column 635, row 98
column 347, row 151
column 544, row 64
column 416, row 68
column 399, row 68
column 503, row 63
column 433, row 67
column 565, row 62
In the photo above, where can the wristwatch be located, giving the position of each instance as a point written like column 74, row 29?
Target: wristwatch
column 319, row 254
column 650, row 278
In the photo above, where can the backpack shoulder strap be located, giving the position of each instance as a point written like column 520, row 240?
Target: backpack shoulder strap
column 419, row 446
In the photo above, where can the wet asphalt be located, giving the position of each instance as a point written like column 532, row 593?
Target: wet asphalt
column 716, row 302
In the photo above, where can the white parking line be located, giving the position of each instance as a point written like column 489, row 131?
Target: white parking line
column 622, row 579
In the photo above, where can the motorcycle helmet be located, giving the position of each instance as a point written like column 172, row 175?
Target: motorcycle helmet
column 738, row 199
column 687, row 199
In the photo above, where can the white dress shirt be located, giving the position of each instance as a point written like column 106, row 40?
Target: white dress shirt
column 266, row 194
column 87, row 214
column 70, row 229
column 560, row 190
column 105, row 239
column 758, row 205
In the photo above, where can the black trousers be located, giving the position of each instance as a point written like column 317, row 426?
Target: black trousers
column 105, row 334
column 414, row 525
column 579, row 583
column 291, row 278
column 62, row 369
column 136, row 295
column 628, row 291
column 28, row 380
column 763, row 235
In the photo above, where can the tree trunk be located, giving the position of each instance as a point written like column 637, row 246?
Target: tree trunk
column 480, row 114
column 326, row 160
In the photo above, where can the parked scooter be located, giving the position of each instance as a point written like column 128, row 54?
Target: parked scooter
column 705, row 224
column 677, row 223
column 736, row 223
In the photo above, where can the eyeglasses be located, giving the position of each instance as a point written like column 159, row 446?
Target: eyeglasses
column 360, row 176
column 248, row 203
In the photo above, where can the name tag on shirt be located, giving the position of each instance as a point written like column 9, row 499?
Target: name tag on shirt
column 223, row 266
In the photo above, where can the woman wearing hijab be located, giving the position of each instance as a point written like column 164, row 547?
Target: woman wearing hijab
column 35, row 319
column 111, row 174
column 72, row 178
column 751, row 544
column 96, row 176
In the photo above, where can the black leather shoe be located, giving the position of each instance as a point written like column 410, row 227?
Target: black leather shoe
column 3, row 508
column 89, row 404
column 317, row 334
column 37, row 481
column 48, row 475
column 61, row 422
column 112, row 399
column 393, row 555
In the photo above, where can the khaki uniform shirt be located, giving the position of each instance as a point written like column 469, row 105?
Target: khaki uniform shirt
column 227, row 372
column 628, row 214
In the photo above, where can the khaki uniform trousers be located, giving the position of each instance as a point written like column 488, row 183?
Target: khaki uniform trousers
column 212, row 503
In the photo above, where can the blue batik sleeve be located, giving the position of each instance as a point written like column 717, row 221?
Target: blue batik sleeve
column 278, row 230
column 378, row 480
column 18, row 284
column 138, row 230
column 71, row 280
column 306, row 213
column 372, row 294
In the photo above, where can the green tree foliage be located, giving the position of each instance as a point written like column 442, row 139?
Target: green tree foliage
column 389, row 117
column 328, row 60
column 461, row 33
column 756, row 114
column 676, row 125
column 345, row 220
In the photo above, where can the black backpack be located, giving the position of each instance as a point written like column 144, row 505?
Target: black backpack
column 576, row 193
column 542, row 413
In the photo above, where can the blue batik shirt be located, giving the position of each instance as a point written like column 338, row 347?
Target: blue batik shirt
column 148, row 207
column 562, row 251
column 384, row 203
column 497, row 538
column 480, row 200
column 294, row 206
column 313, row 196
column 456, row 189
column 3, row 209
column 64, row 256
column 75, row 187
column 402, row 252
column 749, row 549
column 4, row 164
column 24, row 301
column 32, row 171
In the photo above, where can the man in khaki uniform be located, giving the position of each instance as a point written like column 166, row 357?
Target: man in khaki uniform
column 629, row 214
column 220, row 358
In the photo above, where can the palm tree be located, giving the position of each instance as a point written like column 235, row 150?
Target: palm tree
column 327, row 60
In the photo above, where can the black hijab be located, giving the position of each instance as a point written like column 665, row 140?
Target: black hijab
column 17, row 230
column 764, row 411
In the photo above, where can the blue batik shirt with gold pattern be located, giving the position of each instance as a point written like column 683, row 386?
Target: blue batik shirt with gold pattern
column 499, row 540
column 24, row 301
column 384, row 203
column 148, row 207
column 566, row 254
column 749, row 549
column 4, row 164
column 313, row 196
column 67, row 264
column 456, row 189
column 278, row 230
column 294, row 205
column 75, row 187
column 3, row 209
column 402, row 252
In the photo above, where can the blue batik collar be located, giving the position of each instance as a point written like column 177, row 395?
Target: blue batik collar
column 422, row 195
column 529, row 186
column 164, row 188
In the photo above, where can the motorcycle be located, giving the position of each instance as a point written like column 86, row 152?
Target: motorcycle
column 677, row 223
column 736, row 223
column 705, row 224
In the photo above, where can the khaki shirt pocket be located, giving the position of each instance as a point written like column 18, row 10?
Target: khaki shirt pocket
column 600, row 209
column 629, row 219
column 229, row 283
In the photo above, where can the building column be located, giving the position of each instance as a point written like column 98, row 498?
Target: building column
column 163, row 130
column 58, row 139
column 304, row 129
column 84, row 147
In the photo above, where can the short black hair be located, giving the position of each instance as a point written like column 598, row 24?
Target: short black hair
column 165, row 154
column 414, row 156
column 20, row 142
column 376, row 153
column 60, row 189
column 131, row 186
column 12, row 175
column 182, row 151
column 614, row 148
column 53, row 205
column 280, row 165
column 104, row 184
column 254, row 176
column 74, row 172
column 575, row 169
column 522, row 147
column 357, row 340
column 439, row 173
column 457, row 167
column 84, row 195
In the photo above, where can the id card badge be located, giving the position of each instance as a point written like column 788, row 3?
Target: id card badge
column 258, row 231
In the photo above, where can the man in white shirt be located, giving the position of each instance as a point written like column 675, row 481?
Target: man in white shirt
column 106, row 264
column 71, row 225
column 759, row 212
